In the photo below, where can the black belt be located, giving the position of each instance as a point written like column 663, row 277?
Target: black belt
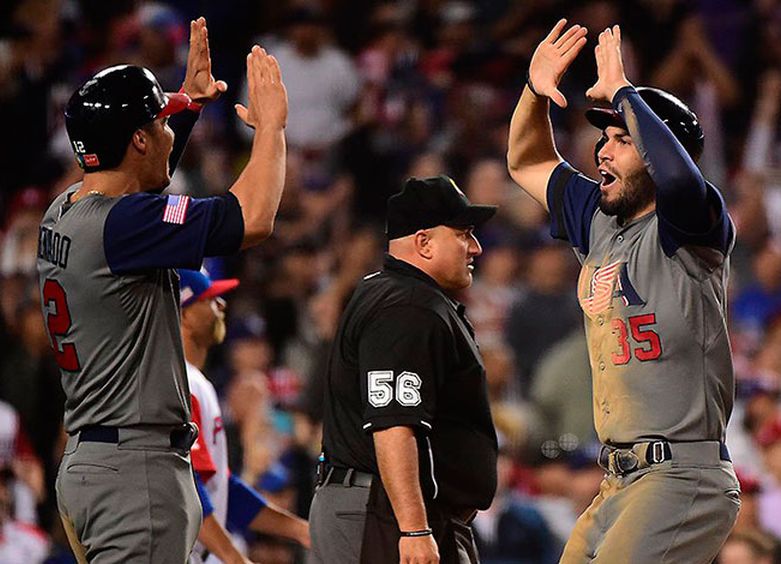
column 181, row 438
column 347, row 477
column 624, row 459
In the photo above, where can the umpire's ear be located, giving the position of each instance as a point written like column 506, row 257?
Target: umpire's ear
column 422, row 242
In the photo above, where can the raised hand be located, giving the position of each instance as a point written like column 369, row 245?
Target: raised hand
column 267, row 104
column 610, row 66
column 199, row 84
column 553, row 57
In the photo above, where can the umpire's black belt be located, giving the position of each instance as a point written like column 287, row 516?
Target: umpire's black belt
column 625, row 459
column 181, row 437
column 347, row 477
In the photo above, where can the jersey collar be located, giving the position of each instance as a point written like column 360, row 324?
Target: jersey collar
column 404, row 268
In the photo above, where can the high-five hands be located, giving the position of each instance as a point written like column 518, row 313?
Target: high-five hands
column 199, row 84
column 267, row 103
column 610, row 67
column 553, row 57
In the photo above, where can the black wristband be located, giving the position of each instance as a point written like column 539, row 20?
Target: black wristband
column 420, row 533
column 529, row 84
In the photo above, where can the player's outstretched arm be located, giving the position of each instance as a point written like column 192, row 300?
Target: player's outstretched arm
column 273, row 520
column 532, row 155
column 217, row 540
column 259, row 187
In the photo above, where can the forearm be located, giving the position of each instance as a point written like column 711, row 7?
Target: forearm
column 531, row 154
column 681, row 195
column 182, row 124
column 216, row 539
column 259, row 187
column 273, row 520
column 397, row 457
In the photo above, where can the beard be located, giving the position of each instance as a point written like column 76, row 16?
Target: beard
column 637, row 192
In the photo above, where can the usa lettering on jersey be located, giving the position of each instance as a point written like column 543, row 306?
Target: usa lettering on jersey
column 604, row 285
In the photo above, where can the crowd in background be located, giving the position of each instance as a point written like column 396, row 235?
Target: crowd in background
column 378, row 92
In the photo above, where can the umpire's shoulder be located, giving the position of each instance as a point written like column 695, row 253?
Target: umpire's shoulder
column 405, row 293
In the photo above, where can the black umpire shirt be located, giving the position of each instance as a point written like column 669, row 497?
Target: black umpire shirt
column 405, row 354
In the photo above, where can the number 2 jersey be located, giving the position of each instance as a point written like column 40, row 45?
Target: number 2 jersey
column 110, row 299
column 654, row 303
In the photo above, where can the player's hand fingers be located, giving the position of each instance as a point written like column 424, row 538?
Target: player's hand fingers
column 275, row 70
column 617, row 32
column 570, row 55
column 572, row 40
column 559, row 43
column 558, row 98
column 252, row 85
column 242, row 112
column 554, row 33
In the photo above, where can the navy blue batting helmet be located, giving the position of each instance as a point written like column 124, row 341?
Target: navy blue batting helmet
column 674, row 114
column 105, row 111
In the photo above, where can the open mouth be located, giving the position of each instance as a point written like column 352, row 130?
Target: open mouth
column 607, row 178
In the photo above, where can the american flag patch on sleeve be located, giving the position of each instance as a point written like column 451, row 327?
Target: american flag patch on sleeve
column 176, row 209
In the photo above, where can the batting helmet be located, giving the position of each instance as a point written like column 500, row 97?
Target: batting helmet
column 105, row 111
column 674, row 114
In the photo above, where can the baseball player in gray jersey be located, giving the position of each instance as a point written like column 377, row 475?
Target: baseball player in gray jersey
column 653, row 237
column 107, row 249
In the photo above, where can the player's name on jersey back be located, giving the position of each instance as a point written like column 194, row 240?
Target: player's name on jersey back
column 53, row 247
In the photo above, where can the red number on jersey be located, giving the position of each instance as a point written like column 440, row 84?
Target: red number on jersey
column 59, row 323
column 651, row 348
column 619, row 330
column 645, row 337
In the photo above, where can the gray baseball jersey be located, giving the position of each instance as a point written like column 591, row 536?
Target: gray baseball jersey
column 110, row 299
column 654, row 303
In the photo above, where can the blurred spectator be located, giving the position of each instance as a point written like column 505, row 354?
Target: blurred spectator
column 756, row 405
column 769, row 439
column 512, row 530
column 748, row 517
column 321, row 81
column 561, row 391
column 493, row 292
column 756, row 304
column 19, row 238
column 162, row 38
column 25, row 485
column 545, row 313
column 749, row 547
column 19, row 541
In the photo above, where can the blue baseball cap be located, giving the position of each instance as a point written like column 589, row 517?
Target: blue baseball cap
column 195, row 285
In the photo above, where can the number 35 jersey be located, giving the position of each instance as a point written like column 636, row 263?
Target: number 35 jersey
column 654, row 304
column 110, row 299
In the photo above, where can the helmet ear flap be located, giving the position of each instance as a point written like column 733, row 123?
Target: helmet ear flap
column 598, row 147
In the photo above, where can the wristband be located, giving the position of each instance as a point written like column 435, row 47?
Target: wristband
column 529, row 84
column 192, row 106
column 419, row 533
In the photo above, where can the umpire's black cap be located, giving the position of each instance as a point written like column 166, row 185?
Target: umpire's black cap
column 427, row 202
column 103, row 113
column 674, row 114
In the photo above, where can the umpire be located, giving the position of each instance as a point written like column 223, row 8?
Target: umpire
column 409, row 448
